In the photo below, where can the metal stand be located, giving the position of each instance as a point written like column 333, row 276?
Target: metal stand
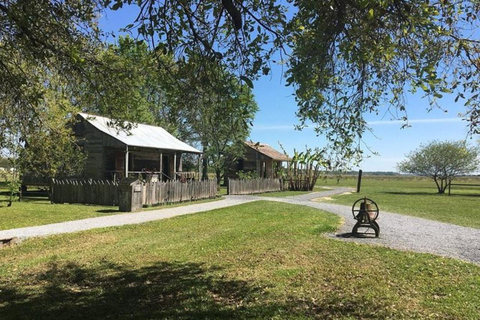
column 365, row 211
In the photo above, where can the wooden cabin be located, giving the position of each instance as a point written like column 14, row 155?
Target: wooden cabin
column 259, row 158
column 113, row 153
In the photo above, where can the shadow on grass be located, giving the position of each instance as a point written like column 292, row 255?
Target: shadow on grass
column 414, row 193
column 108, row 211
column 161, row 291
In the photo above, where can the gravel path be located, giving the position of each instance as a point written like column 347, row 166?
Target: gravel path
column 118, row 219
column 396, row 231
column 401, row 231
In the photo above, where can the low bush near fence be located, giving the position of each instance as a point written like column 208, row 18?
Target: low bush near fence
column 254, row 186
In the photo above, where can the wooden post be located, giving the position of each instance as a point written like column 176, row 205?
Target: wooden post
column 359, row 182
column 175, row 166
column 160, row 176
column 126, row 161
column 199, row 161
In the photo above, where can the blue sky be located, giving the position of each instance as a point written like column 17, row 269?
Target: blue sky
column 274, row 123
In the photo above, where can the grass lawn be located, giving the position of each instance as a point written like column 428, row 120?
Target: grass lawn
column 35, row 212
column 260, row 260
column 416, row 197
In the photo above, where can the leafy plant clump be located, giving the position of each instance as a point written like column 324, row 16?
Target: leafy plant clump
column 305, row 168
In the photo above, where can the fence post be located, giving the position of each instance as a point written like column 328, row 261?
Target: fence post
column 359, row 182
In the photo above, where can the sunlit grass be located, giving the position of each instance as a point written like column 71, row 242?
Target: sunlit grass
column 39, row 211
column 415, row 196
column 260, row 260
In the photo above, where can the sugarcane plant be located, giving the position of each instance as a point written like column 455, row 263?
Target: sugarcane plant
column 305, row 168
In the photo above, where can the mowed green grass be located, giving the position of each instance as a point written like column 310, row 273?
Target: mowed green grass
column 260, row 260
column 33, row 212
column 39, row 211
column 415, row 196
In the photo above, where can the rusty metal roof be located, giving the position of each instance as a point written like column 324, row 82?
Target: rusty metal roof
column 268, row 151
column 141, row 135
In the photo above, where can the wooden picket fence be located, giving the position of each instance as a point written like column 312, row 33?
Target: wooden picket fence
column 105, row 192
column 158, row 193
column 254, row 186
column 87, row 191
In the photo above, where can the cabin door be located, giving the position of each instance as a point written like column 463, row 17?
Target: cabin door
column 119, row 164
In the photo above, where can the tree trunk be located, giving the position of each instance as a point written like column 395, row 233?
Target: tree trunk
column 440, row 186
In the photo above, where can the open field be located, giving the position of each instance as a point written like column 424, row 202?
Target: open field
column 261, row 260
column 414, row 196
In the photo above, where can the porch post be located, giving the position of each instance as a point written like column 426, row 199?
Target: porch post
column 126, row 161
column 161, row 166
column 175, row 166
column 199, row 162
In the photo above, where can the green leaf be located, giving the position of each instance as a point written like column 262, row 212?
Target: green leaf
column 371, row 13
column 247, row 81
column 117, row 5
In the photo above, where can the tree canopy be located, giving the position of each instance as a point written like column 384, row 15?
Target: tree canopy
column 345, row 58
column 442, row 161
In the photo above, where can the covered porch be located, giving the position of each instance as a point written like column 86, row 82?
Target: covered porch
column 136, row 161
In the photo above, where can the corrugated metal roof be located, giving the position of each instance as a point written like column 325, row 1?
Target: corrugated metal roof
column 141, row 135
column 268, row 151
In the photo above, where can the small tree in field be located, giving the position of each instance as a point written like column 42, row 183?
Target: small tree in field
column 442, row 161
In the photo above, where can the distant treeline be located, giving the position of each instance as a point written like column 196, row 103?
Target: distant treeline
column 370, row 173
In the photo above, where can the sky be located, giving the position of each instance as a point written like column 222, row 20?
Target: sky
column 275, row 120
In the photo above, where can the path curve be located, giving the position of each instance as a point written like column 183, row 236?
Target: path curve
column 397, row 231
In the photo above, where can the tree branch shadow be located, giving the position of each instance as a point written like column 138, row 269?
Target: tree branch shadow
column 436, row 194
column 165, row 290
column 161, row 291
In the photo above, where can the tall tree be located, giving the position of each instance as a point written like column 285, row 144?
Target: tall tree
column 442, row 161
column 345, row 57
column 354, row 57
column 54, row 36
column 40, row 142
column 218, row 111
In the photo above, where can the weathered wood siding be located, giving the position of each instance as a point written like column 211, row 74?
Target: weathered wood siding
column 104, row 192
column 94, row 142
column 254, row 186
column 105, row 155
column 100, row 192
column 158, row 193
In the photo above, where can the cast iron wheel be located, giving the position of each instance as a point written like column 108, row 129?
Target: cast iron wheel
column 356, row 209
